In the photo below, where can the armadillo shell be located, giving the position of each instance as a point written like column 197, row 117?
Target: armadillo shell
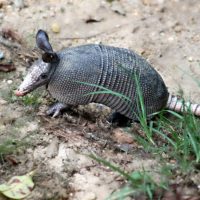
column 82, row 69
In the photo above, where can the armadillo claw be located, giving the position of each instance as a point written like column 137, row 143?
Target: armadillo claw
column 56, row 109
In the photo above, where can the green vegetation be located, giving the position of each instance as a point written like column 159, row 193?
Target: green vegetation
column 12, row 140
column 140, row 182
column 174, row 141
column 10, row 146
column 33, row 99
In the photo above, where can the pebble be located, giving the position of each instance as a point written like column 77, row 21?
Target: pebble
column 150, row 2
column 55, row 27
column 9, row 8
column 9, row 82
column 170, row 39
column 90, row 196
column 1, row 15
column 19, row 3
column 124, row 147
column 1, row 55
column 190, row 59
column 178, row 28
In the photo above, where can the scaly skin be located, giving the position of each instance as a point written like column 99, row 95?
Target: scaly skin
column 56, row 109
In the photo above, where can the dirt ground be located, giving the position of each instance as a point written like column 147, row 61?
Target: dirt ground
column 166, row 33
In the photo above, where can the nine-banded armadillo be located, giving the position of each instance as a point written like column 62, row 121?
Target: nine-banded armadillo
column 74, row 74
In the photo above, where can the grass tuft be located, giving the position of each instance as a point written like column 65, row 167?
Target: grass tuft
column 140, row 182
column 173, row 139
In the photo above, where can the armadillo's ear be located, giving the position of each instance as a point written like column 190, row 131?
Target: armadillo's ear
column 50, row 57
column 42, row 41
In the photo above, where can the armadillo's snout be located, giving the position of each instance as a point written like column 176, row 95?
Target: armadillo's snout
column 25, row 87
column 19, row 93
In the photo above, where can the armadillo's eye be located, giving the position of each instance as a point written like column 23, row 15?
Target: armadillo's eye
column 43, row 76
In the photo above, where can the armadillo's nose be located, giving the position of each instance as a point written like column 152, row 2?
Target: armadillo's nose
column 19, row 93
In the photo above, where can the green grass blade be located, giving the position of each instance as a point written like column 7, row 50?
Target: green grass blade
column 111, row 166
column 194, row 145
column 122, row 194
column 175, row 114
column 165, row 137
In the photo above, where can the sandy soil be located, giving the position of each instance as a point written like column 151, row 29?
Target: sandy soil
column 167, row 33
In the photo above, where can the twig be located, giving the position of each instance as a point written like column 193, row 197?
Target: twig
column 7, row 67
column 8, row 43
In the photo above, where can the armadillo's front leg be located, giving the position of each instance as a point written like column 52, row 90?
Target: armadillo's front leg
column 56, row 109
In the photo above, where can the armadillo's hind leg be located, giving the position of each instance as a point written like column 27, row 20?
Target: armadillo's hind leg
column 119, row 119
column 56, row 109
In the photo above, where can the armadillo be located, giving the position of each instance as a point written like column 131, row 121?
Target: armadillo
column 77, row 76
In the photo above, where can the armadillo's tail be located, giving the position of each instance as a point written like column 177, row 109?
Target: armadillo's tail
column 177, row 104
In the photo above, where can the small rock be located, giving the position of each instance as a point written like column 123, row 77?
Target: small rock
column 19, row 4
column 1, row 55
column 190, row 59
column 121, row 137
column 9, row 82
column 55, row 27
column 52, row 149
column 170, row 39
column 124, row 147
column 152, row 2
column 90, row 196
column 1, row 15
